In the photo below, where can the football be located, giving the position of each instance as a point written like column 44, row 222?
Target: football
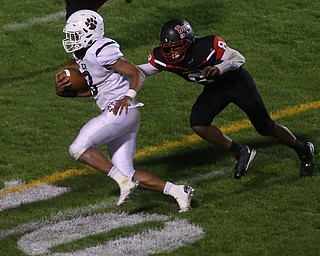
column 76, row 78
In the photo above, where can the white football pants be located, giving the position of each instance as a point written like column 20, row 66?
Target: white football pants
column 119, row 133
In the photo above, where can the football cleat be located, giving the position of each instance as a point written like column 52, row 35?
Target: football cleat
column 183, row 197
column 126, row 188
column 307, row 165
column 244, row 158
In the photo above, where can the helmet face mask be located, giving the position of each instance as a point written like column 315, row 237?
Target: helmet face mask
column 175, row 52
column 72, row 41
column 176, row 37
column 82, row 29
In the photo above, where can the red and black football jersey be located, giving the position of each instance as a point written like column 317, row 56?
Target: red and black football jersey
column 205, row 51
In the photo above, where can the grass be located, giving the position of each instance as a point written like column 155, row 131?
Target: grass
column 271, row 211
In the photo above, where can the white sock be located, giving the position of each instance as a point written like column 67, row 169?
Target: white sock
column 167, row 187
column 113, row 171
column 117, row 175
column 174, row 190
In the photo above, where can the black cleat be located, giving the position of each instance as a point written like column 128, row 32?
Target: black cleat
column 244, row 158
column 307, row 165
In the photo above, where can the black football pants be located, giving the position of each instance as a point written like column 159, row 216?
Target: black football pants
column 76, row 5
column 240, row 90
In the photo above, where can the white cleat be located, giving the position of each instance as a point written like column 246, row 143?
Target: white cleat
column 183, row 197
column 127, row 187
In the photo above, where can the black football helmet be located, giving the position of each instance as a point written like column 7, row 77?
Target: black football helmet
column 176, row 36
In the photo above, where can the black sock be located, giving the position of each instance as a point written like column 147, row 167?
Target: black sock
column 300, row 149
column 235, row 147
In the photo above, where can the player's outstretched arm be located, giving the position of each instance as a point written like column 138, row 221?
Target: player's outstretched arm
column 137, row 78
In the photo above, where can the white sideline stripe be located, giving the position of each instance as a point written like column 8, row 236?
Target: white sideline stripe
column 34, row 21
column 35, row 194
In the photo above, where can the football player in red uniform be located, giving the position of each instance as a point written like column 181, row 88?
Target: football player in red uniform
column 210, row 62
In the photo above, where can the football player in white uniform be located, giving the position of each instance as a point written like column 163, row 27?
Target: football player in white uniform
column 107, row 73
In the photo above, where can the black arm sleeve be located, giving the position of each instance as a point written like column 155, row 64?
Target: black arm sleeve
column 68, row 94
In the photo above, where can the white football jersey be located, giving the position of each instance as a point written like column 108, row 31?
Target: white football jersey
column 107, row 86
column 118, row 132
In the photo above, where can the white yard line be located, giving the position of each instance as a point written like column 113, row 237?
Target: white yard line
column 39, row 20
column 32, row 22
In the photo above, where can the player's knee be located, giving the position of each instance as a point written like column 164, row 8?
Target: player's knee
column 266, row 130
column 263, row 132
column 76, row 150
column 200, row 130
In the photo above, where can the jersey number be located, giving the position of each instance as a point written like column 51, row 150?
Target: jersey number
column 93, row 87
column 222, row 45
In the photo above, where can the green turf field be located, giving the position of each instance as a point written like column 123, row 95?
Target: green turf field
column 52, row 205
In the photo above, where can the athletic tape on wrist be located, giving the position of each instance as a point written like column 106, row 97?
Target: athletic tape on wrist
column 67, row 71
column 131, row 93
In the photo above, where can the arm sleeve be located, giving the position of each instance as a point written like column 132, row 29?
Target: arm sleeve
column 231, row 60
column 148, row 69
